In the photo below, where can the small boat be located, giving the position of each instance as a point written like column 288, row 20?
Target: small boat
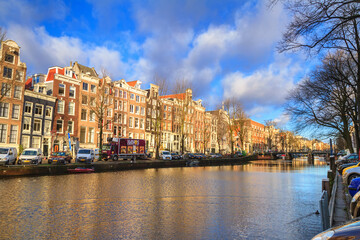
column 81, row 170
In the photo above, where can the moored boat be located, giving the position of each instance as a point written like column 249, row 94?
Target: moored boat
column 81, row 170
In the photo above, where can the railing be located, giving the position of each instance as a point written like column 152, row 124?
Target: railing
column 324, row 210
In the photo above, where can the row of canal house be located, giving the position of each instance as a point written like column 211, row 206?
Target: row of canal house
column 55, row 111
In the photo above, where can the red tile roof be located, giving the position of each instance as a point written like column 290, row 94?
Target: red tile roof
column 132, row 83
column 180, row 96
column 28, row 83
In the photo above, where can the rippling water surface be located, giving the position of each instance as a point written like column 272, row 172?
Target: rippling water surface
column 260, row 200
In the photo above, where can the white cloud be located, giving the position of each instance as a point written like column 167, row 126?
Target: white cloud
column 264, row 87
column 40, row 51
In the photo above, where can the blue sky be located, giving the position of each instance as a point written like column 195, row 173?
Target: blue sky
column 225, row 48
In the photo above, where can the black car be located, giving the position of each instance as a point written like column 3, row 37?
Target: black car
column 353, row 157
column 189, row 156
column 175, row 156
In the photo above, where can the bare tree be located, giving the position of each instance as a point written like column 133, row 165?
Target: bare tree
column 236, row 121
column 221, row 121
column 101, row 106
column 322, row 102
column 157, row 120
column 184, row 110
column 325, row 25
column 2, row 35
column 270, row 128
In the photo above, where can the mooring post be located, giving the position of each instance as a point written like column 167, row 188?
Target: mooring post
column 332, row 164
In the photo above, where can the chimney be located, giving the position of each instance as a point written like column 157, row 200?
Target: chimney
column 70, row 63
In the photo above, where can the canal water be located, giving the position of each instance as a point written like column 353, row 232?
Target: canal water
column 260, row 200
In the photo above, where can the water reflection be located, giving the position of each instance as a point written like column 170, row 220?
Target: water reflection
column 261, row 200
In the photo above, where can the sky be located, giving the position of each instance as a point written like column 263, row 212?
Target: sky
column 224, row 48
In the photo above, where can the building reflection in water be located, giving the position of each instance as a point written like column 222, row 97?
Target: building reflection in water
column 240, row 201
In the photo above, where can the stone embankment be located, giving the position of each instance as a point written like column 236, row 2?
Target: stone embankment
column 102, row 166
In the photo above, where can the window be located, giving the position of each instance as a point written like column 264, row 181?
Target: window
column 61, row 105
column 115, row 117
column 13, row 133
column 70, row 127
column 83, row 114
column 28, row 107
column 93, row 88
column 121, row 93
column 92, row 116
column 59, row 126
column 131, row 108
column 125, row 107
column 125, row 95
column 47, row 126
column 136, row 123
column 120, row 118
column 9, row 58
column 62, row 89
column 19, row 76
column 132, row 96
column 115, row 131
column 71, row 108
column 36, row 142
column 17, row 92
column 4, row 109
column 142, row 99
column 165, row 107
column 108, row 125
column 15, row 111
column 106, row 90
column 116, row 93
column 5, row 89
column 92, row 101
column 7, row 72
column 38, row 109
column 48, row 112
column 82, row 134
column 137, row 109
column 120, row 105
column 147, row 124
column 37, row 125
column 84, row 100
column 72, row 92
column 169, row 109
column 137, row 98
column 149, row 111
column 91, row 135
column 143, row 111
column 3, row 128
column 116, row 105
column 25, row 141
column 26, row 124
column 109, row 112
column 142, row 123
column 85, row 86
column 130, row 122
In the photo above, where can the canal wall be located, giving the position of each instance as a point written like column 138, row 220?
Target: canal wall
column 102, row 166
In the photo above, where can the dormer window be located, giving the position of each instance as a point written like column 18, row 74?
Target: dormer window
column 9, row 58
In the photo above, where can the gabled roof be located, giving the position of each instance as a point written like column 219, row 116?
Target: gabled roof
column 132, row 83
column 180, row 96
column 28, row 83
column 87, row 70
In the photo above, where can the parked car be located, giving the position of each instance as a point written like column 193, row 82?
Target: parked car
column 165, row 155
column 349, row 174
column 60, row 158
column 8, row 155
column 354, row 186
column 189, row 156
column 175, row 156
column 350, row 230
column 355, row 206
column 341, row 167
column 85, row 155
column 31, row 156
column 203, row 156
column 353, row 157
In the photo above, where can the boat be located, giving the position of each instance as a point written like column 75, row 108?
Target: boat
column 81, row 170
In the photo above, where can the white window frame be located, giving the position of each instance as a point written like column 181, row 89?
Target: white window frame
column 64, row 89
column 62, row 125
column 23, row 124
column 70, row 88
column 63, row 106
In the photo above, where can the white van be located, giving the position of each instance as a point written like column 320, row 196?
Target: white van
column 165, row 155
column 31, row 156
column 8, row 155
column 85, row 155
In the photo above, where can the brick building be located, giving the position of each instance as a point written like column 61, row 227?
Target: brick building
column 12, row 80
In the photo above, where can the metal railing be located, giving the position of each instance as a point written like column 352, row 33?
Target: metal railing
column 324, row 210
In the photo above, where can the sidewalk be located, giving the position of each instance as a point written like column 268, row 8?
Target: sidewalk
column 342, row 204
